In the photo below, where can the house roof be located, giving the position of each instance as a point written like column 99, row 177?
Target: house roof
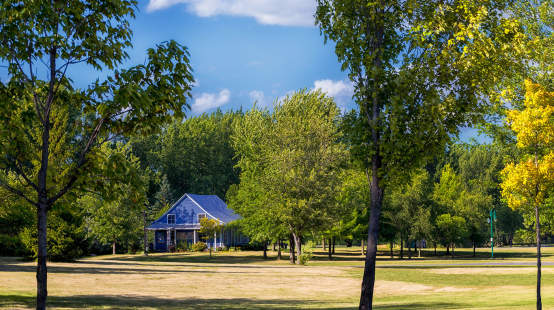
column 212, row 205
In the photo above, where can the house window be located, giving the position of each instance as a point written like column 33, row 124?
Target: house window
column 201, row 216
column 171, row 218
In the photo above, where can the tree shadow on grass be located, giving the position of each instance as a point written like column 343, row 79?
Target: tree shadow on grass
column 76, row 268
column 220, row 258
column 134, row 302
column 421, row 305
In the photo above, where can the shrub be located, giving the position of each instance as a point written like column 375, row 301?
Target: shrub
column 11, row 246
column 523, row 236
column 199, row 246
column 182, row 246
column 65, row 239
column 305, row 258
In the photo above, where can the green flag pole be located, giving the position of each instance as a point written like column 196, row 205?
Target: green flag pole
column 491, row 220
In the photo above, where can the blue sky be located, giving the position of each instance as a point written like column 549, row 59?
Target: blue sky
column 243, row 50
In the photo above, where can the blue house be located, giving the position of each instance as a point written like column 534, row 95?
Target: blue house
column 181, row 223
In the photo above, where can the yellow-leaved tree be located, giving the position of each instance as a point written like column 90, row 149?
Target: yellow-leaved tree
column 528, row 183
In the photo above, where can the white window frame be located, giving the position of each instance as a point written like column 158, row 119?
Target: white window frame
column 205, row 215
column 174, row 218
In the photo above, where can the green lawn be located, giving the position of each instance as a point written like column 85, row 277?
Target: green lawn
column 243, row 280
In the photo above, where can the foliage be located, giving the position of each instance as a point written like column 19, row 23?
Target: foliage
column 289, row 161
column 199, row 246
column 52, row 132
column 66, row 238
column 452, row 229
column 119, row 218
column 527, row 184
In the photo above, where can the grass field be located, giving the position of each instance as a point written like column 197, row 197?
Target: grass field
column 243, row 280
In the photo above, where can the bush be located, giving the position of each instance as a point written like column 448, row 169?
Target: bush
column 65, row 239
column 182, row 246
column 11, row 246
column 305, row 258
column 199, row 246
column 523, row 236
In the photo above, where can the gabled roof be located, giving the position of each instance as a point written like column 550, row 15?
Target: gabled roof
column 212, row 205
column 215, row 207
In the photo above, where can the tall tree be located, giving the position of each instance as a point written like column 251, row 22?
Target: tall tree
column 51, row 130
column 290, row 160
column 416, row 78
column 530, row 182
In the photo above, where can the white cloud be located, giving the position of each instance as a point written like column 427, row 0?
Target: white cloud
column 268, row 12
column 258, row 97
column 208, row 101
column 342, row 91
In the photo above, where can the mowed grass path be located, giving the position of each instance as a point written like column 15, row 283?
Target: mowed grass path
column 243, row 280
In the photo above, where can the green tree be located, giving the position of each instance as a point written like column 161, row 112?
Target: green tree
column 418, row 69
column 453, row 229
column 407, row 208
column 51, row 130
column 118, row 217
column 210, row 227
column 289, row 161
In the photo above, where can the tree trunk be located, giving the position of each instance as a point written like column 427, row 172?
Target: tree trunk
column 372, row 110
column 333, row 245
column 391, row 250
column 323, row 243
column 473, row 248
column 330, row 253
column 279, row 252
column 265, row 249
column 291, row 250
column 538, row 231
column 113, row 247
column 145, row 234
column 447, row 250
column 401, row 248
column 409, row 249
column 419, row 249
column 368, row 280
column 435, row 245
column 298, row 247
column 42, row 274
column 453, row 245
column 363, row 252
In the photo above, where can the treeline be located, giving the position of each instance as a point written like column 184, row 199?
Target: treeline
column 193, row 156
column 292, row 173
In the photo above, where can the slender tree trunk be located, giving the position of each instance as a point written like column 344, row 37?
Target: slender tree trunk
column 409, row 249
column 453, row 245
column 274, row 246
column 363, row 252
column 113, row 247
column 333, row 245
column 145, row 234
column 448, row 250
column 291, row 250
column 419, row 249
column 298, row 246
column 391, row 250
column 435, row 245
column 279, row 252
column 368, row 279
column 473, row 248
column 538, row 232
column 265, row 249
column 42, row 274
column 323, row 243
column 401, row 248
column 330, row 253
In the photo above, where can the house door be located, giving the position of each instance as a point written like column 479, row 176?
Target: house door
column 161, row 241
